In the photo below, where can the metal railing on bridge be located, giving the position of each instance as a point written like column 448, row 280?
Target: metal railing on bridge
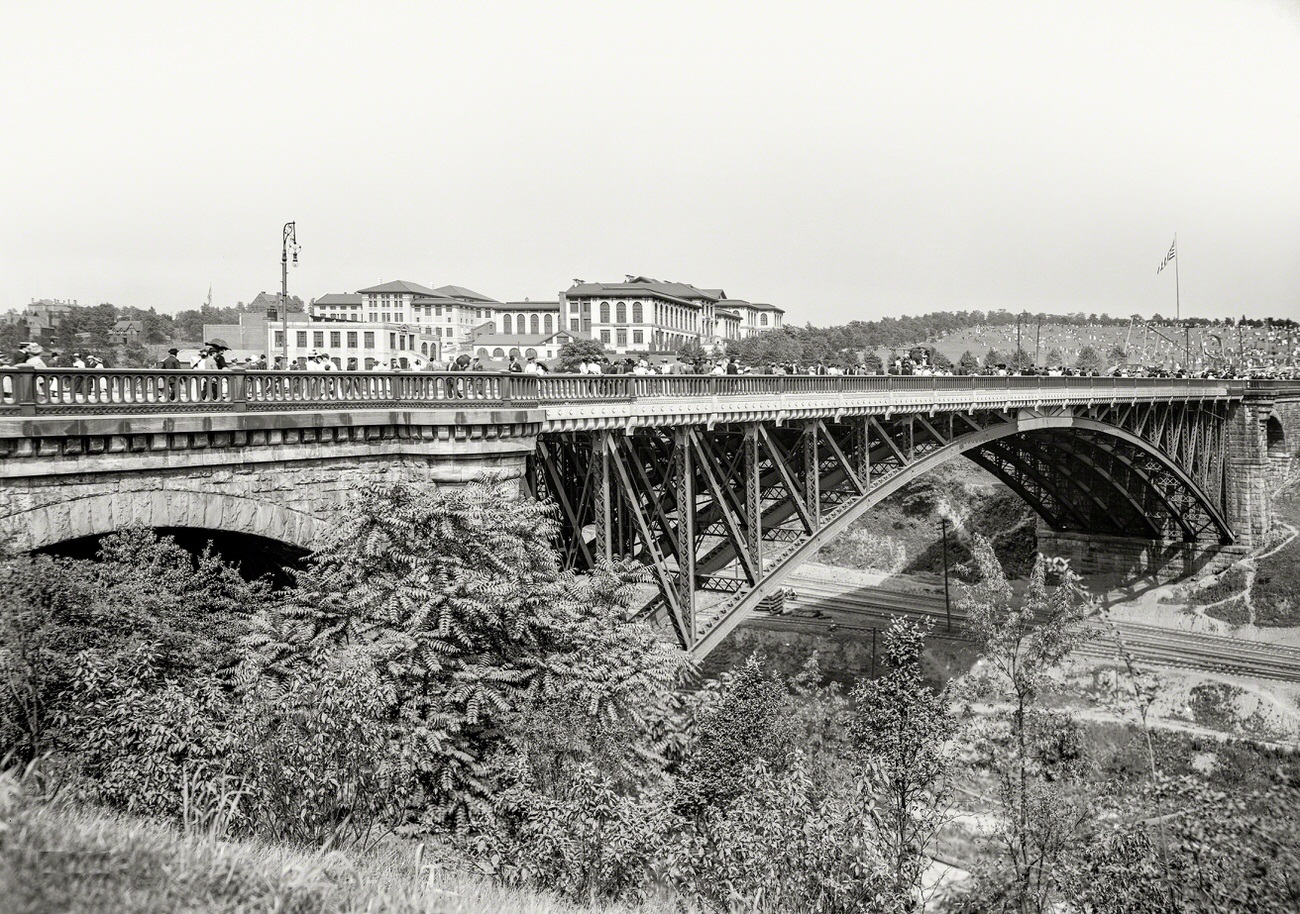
column 25, row 391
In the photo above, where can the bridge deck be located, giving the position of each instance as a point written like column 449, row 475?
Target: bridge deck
column 141, row 400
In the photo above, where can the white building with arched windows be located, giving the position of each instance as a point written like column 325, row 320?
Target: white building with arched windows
column 646, row 315
column 638, row 315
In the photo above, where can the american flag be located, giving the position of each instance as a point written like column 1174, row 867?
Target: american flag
column 1168, row 257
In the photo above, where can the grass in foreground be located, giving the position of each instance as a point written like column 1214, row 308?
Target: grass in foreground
column 54, row 857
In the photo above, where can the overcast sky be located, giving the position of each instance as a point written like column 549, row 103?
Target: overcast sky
column 842, row 160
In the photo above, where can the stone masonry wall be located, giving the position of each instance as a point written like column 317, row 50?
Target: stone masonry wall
column 285, row 492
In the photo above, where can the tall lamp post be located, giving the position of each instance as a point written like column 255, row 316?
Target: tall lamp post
column 289, row 243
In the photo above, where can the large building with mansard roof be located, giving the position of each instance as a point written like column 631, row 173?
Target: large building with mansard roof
column 647, row 315
column 637, row 315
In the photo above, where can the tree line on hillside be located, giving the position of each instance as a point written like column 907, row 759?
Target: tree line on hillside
column 88, row 328
column 434, row 671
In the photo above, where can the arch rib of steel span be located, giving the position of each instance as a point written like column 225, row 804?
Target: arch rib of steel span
column 723, row 623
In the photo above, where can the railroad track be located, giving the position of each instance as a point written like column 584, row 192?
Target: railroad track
column 822, row 605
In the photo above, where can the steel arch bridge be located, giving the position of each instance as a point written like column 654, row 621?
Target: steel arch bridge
column 722, row 485
column 723, row 512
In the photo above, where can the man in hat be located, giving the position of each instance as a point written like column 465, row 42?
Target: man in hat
column 77, row 360
column 171, row 363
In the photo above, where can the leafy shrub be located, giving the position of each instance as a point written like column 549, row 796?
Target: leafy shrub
column 779, row 847
column 142, row 742
column 1228, row 583
column 1213, row 704
column 457, row 601
column 749, row 722
column 586, row 840
column 1117, row 873
column 902, row 729
column 144, row 612
column 315, row 759
column 1276, row 593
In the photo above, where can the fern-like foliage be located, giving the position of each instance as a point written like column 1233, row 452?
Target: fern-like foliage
column 457, row 599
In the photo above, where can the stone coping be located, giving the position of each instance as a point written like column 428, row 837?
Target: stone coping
column 180, row 423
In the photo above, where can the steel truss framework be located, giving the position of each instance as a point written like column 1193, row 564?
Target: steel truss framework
column 723, row 514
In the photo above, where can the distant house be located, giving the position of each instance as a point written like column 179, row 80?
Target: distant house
column 127, row 332
column 43, row 318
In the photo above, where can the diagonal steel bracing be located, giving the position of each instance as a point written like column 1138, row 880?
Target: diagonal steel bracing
column 722, row 513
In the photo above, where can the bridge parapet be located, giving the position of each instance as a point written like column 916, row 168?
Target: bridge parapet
column 27, row 392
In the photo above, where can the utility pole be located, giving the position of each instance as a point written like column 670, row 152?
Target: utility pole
column 1018, row 317
column 289, row 242
column 1241, row 353
column 1038, row 336
column 947, row 604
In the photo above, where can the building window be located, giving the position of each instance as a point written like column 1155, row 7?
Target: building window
column 498, row 353
column 604, row 312
column 387, row 315
column 550, row 325
column 352, row 339
column 392, row 341
column 506, row 324
column 336, row 339
column 279, row 339
column 604, row 335
column 374, row 316
column 638, row 337
column 302, row 339
column 636, row 312
column 574, row 324
column 533, row 325
column 318, row 338
column 762, row 319
column 622, row 312
column 622, row 336
column 370, row 339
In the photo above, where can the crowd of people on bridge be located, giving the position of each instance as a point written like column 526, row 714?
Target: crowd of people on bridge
column 917, row 362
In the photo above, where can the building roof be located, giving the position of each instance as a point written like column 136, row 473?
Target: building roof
column 728, row 315
column 463, row 293
column 735, row 303
column 339, row 298
column 400, row 286
column 529, row 306
column 123, row 326
column 675, row 291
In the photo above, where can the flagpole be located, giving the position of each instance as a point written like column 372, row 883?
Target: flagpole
column 1178, row 305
